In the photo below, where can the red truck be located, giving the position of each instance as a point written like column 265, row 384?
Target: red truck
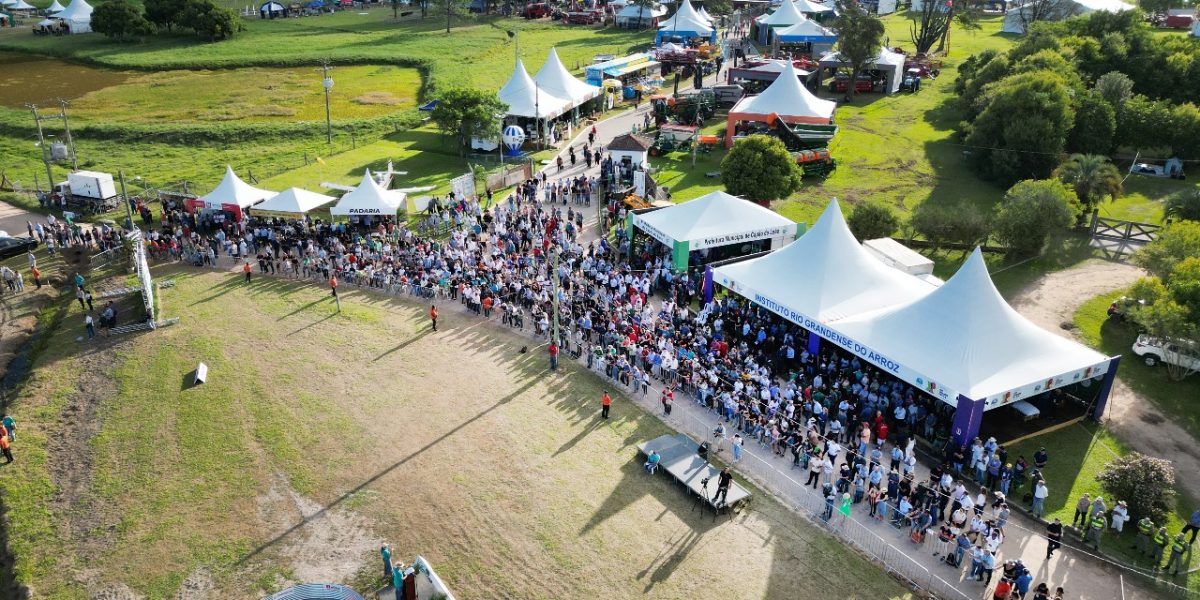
column 536, row 11
column 841, row 83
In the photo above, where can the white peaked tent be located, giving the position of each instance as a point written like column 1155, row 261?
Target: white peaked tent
column 77, row 15
column 293, row 201
column 686, row 22
column 964, row 339
column 707, row 17
column 554, row 79
column 22, row 5
column 786, row 14
column 526, row 99
column 369, row 199
column 890, row 63
column 809, row 7
column 632, row 15
column 714, row 219
column 821, row 278
column 7, row 3
column 232, row 191
column 54, row 7
column 787, row 99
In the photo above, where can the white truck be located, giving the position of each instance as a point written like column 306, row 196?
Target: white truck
column 1180, row 354
column 92, row 191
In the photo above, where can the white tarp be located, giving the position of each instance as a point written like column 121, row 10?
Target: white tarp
column 787, row 14
column 294, row 201
column 806, row 29
column 821, row 278
column 78, row 16
column 963, row 338
column 714, row 219
column 555, row 79
column 686, row 19
column 786, row 97
column 1014, row 17
column 233, row 191
column 369, row 198
column 527, row 99
column 809, row 7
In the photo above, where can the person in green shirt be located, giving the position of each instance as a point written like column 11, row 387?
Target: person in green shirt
column 1145, row 531
column 398, row 581
column 385, row 551
column 1178, row 547
column 1160, row 546
column 1096, row 528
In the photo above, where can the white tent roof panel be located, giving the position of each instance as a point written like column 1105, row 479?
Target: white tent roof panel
column 810, row 7
column 714, row 219
column 54, row 7
column 686, row 19
column 786, row 97
column 806, row 28
column 555, row 79
column 786, row 14
column 369, row 198
column 77, row 10
column 526, row 99
column 295, row 201
column 232, row 190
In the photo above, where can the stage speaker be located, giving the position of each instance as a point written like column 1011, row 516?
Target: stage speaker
column 702, row 450
column 201, row 374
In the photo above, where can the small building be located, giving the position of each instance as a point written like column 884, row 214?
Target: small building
column 900, row 257
column 629, row 148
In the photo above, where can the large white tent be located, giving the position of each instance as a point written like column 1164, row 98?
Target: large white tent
column 78, row 16
column 687, row 23
column 232, row 192
column 891, row 63
column 787, row 14
column 525, row 98
column 714, row 219
column 809, row 7
column 634, row 16
column 293, row 201
column 554, row 78
column 786, row 98
column 22, row 5
column 821, row 278
column 369, row 199
column 1021, row 14
column 964, row 339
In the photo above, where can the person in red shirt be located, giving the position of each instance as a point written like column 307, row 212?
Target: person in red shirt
column 433, row 316
column 333, row 285
column 246, row 270
column 881, row 434
column 605, row 404
column 553, row 356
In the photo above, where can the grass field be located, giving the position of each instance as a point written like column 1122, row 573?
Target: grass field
column 320, row 435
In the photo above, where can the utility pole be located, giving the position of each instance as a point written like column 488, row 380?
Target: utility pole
column 62, row 112
column 42, row 144
column 125, row 199
column 327, row 83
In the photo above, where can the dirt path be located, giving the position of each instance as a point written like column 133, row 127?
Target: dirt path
column 1051, row 302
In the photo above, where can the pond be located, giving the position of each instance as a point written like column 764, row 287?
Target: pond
column 25, row 78
column 269, row 94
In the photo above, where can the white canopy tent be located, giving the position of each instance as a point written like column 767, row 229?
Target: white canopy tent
column 632, row 15
column 78, row 16
column 707, row 17
column 554, row 78
column 964, row 339
column 54, row 7
column 1017, row 17
column 786, row 99
column 525, row 98
column 714, row 219
column 7, row 3
column 891, row 63
column 369, row 199
column 787, row 14
column 232, row 192
column 294, row 201
column 809, row 7
column 22, row 5
column 823, row 277
column 686, row 22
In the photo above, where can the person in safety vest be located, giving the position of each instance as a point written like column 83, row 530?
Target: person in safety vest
column 1145, row 532
column 1160, row 546
column 1178, row 547
column 1095, row 528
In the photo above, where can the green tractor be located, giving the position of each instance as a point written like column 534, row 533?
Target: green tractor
column 693, row 107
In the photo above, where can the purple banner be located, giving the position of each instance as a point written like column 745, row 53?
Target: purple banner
column 1106, row 388
column 967, row 420
column 708, row 284
column 814, row 345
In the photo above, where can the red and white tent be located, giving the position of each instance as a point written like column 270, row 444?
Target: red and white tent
column 786, row 99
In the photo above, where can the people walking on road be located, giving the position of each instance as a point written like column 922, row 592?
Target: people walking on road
column 605, row 405
column 1054, row 534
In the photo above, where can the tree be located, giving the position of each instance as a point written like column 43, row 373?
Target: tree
column 760, row 168
column 962, row 224
column 1041, row 10
column 209, row 20
column 872, row 220
column 1116, row 87
column 715, row 7
column 1174, row 244
column 452, row 9
column 1093, row 177
column 1095, row 124
column 1145, row 483
column 930, row 23
column 1022, row 128
column 120, row 20
column 860, row 37
column 1031, row 210
column 1184, row 205
column 165, row 14
column 469, row 113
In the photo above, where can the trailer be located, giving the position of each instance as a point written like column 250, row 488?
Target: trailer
column 92, row 191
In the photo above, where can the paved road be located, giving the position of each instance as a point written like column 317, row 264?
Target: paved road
column 13, row 219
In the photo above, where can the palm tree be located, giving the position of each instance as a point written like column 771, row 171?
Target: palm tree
column 1093, row 177
column 1183, row 205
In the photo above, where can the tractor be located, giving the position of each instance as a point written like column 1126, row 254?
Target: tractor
column 816, row 163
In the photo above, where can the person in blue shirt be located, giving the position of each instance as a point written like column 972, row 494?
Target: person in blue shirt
column 385, row 551
column 1023, row 582
column 652, row 462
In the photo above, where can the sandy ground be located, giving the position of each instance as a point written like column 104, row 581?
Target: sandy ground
column 1051, row 302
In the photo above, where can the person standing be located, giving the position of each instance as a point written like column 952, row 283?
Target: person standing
column 6, row 448
column 385, row 552
column 736, row 443
column 1081, row 511
column 1120, row 514
column 90, row 325
column 1040, row 492
column 1145, row 530
column 433, row 314
column 1054, row 534
column 605, row 405
column 1161, row 539
column 667, row 399
column 10, row 425
column 246, row 269
column 398, row 582
column 1178, row 547
column 37, row 275
column 553, row 350
column 723, row 482
column 1193, row 525
column 1096, row 529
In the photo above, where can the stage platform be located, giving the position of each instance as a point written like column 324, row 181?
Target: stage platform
column 678, row 458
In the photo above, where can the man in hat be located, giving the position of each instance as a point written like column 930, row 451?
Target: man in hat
column 1178, row 547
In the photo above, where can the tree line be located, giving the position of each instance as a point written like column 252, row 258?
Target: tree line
column 124, row 20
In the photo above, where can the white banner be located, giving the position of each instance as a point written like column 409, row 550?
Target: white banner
column 653, row 232
column 639, row 183
column 747, row 236
column 463, row 186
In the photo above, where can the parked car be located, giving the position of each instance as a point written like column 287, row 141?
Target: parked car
column 536, row 11
column 1154, row 351
column 16, row 246
column 841, row 83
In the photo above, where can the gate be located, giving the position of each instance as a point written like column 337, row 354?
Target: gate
column 1118, row 237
